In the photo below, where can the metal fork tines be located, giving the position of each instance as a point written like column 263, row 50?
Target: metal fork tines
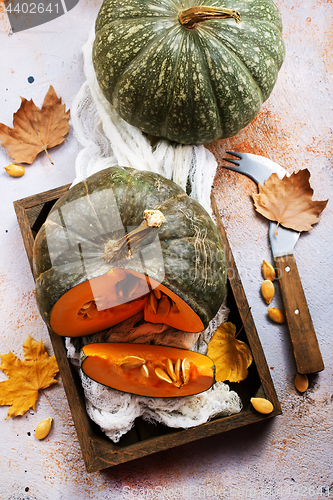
column 258, row 168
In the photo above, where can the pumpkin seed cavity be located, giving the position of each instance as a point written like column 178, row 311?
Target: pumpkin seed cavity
column 128, row 289
column 161, row 304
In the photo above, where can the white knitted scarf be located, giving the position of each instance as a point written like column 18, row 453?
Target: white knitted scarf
column 108, row 140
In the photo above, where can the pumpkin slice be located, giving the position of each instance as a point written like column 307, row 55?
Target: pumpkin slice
column 148, row 370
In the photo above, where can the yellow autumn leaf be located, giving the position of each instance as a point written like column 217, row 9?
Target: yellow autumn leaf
column 26, row 378
column 232, row 357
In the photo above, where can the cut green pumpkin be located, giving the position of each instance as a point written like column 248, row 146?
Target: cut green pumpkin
column 126, row 241
column 148, row 370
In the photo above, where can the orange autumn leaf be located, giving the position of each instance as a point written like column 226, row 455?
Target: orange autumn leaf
column 35, row 130
column 26, row 378
column 231, row 357
column 288, row 201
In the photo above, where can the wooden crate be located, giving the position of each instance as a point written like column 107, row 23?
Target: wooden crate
column 145, row 439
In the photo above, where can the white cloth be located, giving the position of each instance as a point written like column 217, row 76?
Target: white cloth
column 108, row 140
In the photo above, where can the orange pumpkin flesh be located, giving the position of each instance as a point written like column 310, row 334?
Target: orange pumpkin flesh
column 109, row 299
column 148, row 370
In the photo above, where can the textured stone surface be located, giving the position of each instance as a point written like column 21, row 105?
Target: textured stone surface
column 288, row 457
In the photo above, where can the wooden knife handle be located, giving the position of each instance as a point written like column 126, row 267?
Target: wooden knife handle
column 303, row 337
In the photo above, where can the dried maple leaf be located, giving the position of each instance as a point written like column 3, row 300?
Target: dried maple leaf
column 232, row 357
column 26, row 378
column 288, row 201
column 35, row 130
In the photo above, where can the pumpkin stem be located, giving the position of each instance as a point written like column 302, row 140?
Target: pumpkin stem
column 189, row 18
column 123, row 248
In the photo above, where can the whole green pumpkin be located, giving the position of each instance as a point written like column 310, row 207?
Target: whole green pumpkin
column 188, row 73
column 97, row 263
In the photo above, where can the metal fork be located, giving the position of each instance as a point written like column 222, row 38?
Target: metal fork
column 303, row 338
column 258, row 168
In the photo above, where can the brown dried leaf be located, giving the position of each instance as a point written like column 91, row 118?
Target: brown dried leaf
column 26, row 378
column 231, row 357
column 288, row 201
column 35, row 130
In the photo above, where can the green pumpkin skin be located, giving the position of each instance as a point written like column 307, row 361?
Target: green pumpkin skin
column 193, row 256
column 191, row 86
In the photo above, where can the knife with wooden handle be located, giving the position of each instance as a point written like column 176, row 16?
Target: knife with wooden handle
column 304, row 342
column 303, row 338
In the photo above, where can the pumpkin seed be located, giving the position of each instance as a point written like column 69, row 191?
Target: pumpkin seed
column 170, row 370
column 82, row 315
column 86, row 305
column 15, row 170
column 162, row 375
column 43, row 428
column 276, row 315
column 262, row 405
column 185, row 371
column 268, row 291
column 92, row 312
column 157, row 293
column 177, row 370
column 144, row 371
column 131, row 362
column 174, row 308
column 164, row 306
column 301, row 382
column 268, row 271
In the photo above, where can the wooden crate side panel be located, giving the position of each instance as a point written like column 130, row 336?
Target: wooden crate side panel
column 22, row 213
column 104, row 457
column 25, row 228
